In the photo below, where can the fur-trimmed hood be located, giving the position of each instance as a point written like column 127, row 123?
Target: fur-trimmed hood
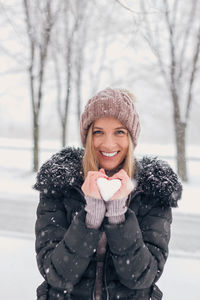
column 154, row 177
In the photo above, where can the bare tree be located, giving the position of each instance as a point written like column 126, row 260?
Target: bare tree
column 172, row 30
column 68, row 55
column 80, row 45
column 110, row 31
column 63, row 64
column 40, row 17
column 103, row 33
column 14, row 32
column 175, row 41
column 83, row 10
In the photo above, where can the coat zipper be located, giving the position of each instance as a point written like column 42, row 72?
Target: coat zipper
column 105, row 277
column 106, row 258
column 94, row 288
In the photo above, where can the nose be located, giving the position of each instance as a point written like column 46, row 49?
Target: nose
column 109, row 143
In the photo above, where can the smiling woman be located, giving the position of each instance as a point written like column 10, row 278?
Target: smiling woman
column 103, row 221
column 110, row 142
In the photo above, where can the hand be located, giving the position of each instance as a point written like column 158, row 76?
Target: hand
column 90, row 187
column 126, row 185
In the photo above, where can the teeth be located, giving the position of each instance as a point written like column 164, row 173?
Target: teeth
column 109, row 154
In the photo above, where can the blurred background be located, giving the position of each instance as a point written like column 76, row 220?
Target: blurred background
column 54, row 55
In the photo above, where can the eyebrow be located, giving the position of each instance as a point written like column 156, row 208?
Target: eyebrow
column 114, row 128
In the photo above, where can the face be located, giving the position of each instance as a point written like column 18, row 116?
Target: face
column 110, row 141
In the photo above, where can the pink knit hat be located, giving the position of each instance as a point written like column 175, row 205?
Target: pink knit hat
column 116, row 103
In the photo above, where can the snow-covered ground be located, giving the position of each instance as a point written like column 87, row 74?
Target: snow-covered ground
column 17, row 179
column 19, row 275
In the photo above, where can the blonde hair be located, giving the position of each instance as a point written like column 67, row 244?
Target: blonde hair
column 90, row 162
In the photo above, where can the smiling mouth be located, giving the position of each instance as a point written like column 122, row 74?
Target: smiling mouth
column 109, row 154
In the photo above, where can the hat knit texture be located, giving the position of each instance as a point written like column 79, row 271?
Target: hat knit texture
column 116, row 103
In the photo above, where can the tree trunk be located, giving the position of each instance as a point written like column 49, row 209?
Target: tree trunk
column 180, row 135
column 180, row 132
column 63, row 134
column 35, row 145
column 78, row 88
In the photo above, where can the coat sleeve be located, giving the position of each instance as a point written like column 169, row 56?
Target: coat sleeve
column 139, row 252
column 63, row 249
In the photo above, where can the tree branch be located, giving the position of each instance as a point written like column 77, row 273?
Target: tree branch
column 126, row 7
column 185, row 39
column 192, row 77
column 32, row 56
column 173, row 62
column 134, row 11
column 154, row 48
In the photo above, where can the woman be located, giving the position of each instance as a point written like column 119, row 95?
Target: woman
column 103, row 220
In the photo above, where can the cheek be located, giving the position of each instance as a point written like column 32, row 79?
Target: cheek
column 125, row 151
column 125, row 145
column 95, row 142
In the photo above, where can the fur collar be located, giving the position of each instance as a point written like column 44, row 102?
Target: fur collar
column 154, row 177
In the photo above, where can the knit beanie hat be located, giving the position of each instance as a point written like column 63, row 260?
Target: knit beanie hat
column 116, row 103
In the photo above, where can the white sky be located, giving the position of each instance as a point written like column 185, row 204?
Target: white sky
column 153, row 104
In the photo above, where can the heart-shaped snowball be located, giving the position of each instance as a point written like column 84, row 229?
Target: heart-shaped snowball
column 108, row 188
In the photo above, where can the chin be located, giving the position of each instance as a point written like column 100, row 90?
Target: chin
column 109, row 167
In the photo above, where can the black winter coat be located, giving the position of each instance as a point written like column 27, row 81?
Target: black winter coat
column 137, row 249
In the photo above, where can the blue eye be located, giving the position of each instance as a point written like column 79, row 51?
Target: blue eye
column 120, row 132
column 97, row 132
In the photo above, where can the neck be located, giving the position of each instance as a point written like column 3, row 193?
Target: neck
column 110, row 173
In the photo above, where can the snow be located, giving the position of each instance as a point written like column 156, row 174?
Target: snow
column 180, row 279
column 16, row 158
column 108, row 188
column 190, row 203
column 19, row 275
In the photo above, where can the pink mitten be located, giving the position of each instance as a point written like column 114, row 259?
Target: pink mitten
column 126, row 185
column 116, row 206
column 95, row 206
column 90, row 187
column 95, row 209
